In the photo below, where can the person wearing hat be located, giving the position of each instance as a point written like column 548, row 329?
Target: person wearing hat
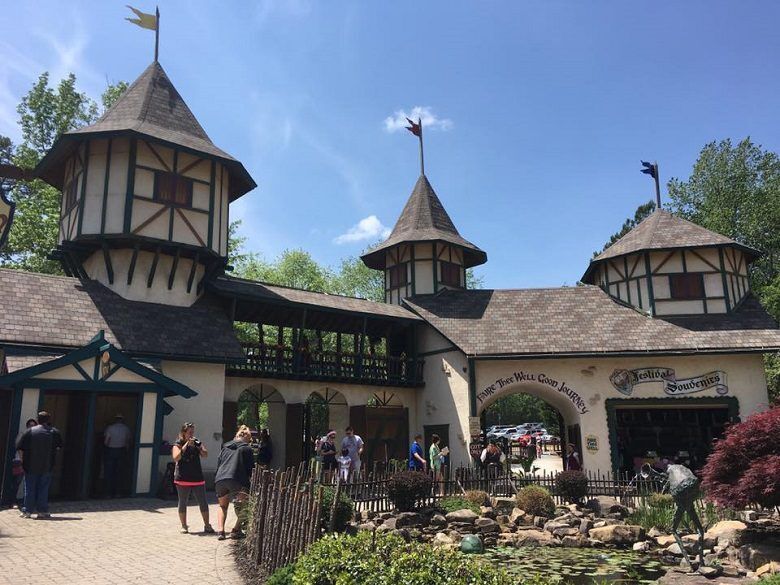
column 116, row 441
column 328, row 451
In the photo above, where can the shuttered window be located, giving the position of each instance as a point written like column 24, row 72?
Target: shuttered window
column 450, row 274
column 686, row 286
column 172, row 188
column 398, row 275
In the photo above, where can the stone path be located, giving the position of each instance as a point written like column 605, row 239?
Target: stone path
column 103, row 542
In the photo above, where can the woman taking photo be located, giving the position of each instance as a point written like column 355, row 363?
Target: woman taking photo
column 188, row 476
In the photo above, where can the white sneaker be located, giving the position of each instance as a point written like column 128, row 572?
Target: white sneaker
column 25, row 515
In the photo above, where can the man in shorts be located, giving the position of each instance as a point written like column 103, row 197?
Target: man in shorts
column 354, row 444
column 231, row 483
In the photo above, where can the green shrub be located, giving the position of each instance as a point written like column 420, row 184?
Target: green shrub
column 535, row 500
column 478, row 497
column 282, row 576
column 406, row 488
column 386, row 559
column 452, row 503
column 345, row 509
column 572, row 485
column 656, row 500
column 770, row 580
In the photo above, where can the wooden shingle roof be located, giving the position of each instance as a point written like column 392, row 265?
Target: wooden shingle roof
column 662, row 230
column 424, row 219
column 57, row 311
column 580, row 320
column 151, row 107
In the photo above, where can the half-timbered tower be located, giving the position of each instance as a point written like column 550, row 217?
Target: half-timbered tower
column 668, row 266
column 145, row 196
column 424, row 253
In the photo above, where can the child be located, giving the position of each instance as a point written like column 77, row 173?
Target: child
column 345, row 464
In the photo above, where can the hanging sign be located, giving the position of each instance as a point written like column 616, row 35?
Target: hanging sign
column 475, row 426
column 625, row 380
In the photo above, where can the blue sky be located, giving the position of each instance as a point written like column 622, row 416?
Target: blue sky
column 540, row 111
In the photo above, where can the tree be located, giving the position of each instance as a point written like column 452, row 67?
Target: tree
column 744, row 467
column 44, row 114
column 518, row 408
column 642, row 212
column 355, row 279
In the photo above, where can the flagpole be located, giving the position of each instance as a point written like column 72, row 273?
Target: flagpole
column 422, row 156
column 657, row 187
column 157, row 35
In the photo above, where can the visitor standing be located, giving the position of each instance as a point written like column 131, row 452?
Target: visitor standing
column 265, row 450
column 15, row 496
column 116, row 441
column 188, row 476
column 492, row 458
column 434, row 453
column 328, row 451
column 572, row 458
column 354, row 445
column 39, row 445
column 345, row 464
column 234, row 473
column 417, row 455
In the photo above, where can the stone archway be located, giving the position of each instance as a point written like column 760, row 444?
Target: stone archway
column 262, row 406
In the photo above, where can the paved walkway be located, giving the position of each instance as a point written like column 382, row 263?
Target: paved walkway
column 103, row 542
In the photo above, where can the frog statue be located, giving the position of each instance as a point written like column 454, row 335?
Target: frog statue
column 683, row 487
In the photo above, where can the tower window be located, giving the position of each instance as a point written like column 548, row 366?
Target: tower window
column 450, row 274
column 398, row 276
column 686, row 286
column 172, row 188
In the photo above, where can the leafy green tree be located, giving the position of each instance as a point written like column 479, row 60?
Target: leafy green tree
column 642, row 212
column 518, row 408
column 44, row 114
column 113, row 93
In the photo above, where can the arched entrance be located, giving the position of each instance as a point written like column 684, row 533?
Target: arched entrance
column 324, row 409
column 263, row 407
column 541, row 400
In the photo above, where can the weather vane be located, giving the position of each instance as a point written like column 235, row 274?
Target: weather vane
column 652, row 170
column 416, row 129
column 150, row 21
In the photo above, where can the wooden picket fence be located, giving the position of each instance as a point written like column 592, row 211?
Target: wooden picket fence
column 285, row 517
column 369, row 491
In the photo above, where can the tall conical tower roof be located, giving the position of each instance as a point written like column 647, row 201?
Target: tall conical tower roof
column 150, row 107
column 424, row 219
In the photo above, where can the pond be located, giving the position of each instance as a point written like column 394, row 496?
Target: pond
column 578, row 566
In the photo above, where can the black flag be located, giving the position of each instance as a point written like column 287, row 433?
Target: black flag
column 650, row 169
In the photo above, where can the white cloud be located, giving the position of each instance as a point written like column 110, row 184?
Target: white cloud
column 368, row 228
column 430, row 121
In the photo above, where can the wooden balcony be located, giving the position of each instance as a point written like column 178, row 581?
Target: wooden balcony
column 264, row 361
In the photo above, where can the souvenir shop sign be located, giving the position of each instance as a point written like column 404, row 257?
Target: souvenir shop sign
column 625, row 380
column 6, row 217
column 539, row 378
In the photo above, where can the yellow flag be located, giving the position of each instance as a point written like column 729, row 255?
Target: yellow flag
column 144, row 20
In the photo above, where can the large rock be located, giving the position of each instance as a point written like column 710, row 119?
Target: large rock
column 568, row 531
column 768, row 569
column 487, row 525
column 573, row 541
column 585, row 525
column 642, row 547
column 534, row 537
column 728, row 532
column 408, row 519
column 441, row 539
column 438, row 521
column 618, row 534
column 755, row 555
column 709, row 541
column 516, row 516
column 665, row 540
column 464, row 516
column 552, row 525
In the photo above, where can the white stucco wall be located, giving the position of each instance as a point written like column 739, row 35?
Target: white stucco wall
column 445, row 398
column 204, row 410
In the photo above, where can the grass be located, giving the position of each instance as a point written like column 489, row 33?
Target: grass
column 659, row 513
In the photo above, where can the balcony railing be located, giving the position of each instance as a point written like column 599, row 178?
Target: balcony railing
column 265, row 361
